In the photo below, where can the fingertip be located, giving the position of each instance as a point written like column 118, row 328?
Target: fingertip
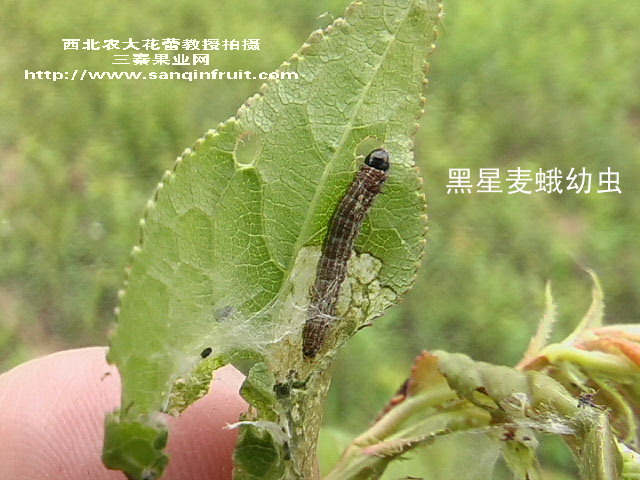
column 52, row 421
column 200, row 445
column 52, row 416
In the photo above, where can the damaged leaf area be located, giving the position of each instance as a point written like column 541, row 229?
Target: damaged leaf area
column 583, row 389
column 231, row 238
column 600, row 365
column 449, row 394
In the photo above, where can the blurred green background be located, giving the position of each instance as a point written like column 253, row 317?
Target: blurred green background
column 539, row 84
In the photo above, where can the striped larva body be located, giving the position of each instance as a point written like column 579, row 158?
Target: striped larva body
column 338, row 245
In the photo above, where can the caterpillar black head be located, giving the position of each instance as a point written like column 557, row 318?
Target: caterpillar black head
column 378, row 159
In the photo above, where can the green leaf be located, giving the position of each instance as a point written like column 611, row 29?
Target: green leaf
column 630, row 463
column 521, row 458
column 545, row 327
column 595, row 314
column 145, row 444
column 600, row 364
column 259, row 456
column 230, row 240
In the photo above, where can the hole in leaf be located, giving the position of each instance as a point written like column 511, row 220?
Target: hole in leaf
column 247, row 150
column 367, row 145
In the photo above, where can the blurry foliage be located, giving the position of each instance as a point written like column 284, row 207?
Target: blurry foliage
column 513, row 83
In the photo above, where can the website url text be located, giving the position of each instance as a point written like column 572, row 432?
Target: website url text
column 189, row 76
